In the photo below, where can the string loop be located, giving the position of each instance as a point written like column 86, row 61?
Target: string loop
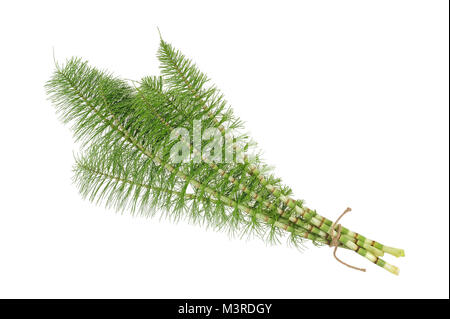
column 335, row 239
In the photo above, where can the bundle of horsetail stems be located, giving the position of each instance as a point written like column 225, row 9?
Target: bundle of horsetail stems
column 171, row 144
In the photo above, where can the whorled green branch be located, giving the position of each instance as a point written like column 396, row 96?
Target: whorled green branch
column 126, row 135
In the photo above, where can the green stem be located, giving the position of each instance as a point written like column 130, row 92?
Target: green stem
column 320, row 221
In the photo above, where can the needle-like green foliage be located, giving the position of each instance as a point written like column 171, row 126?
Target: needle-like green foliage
column 126, row 153
column 132, row 135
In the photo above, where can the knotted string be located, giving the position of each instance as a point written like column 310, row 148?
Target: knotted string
column 335, row 240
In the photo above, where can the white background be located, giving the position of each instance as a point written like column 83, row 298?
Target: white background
column 348, row 100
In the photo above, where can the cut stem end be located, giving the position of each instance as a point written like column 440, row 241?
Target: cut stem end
column 397, row 252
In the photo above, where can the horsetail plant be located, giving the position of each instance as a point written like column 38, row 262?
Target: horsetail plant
column 172, row 144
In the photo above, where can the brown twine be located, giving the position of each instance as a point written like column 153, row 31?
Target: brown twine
column 335, row 240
